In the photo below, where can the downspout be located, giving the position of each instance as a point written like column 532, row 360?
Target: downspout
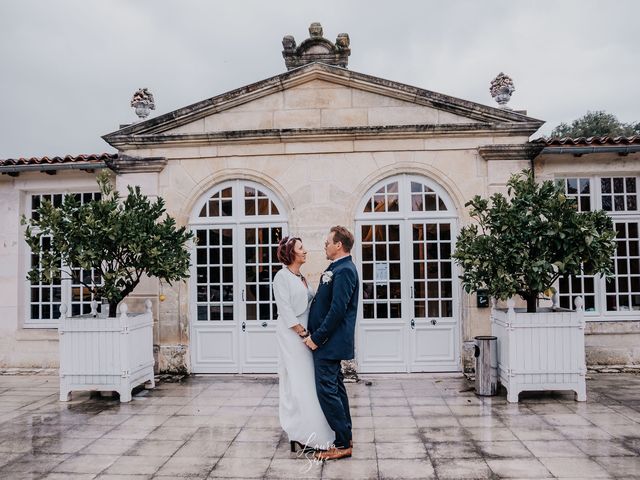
column 533, row 169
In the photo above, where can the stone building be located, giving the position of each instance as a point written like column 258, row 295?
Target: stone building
column 315, row 146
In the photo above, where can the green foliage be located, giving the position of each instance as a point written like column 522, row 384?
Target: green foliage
column 598, row 123
column 122, row 239
column 522, row 244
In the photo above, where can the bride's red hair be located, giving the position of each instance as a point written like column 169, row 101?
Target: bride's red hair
column 286, row 248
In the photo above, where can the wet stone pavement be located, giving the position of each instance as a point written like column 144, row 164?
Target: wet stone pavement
column 405, row 426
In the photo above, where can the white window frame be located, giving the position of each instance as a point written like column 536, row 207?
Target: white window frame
column 238, row 216
column 404, row 192
column 65, row 283
column 595, row 190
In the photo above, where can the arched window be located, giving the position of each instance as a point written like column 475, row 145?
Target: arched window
column 219, row 205
column 256, row 202
column 425, row 199
column 406, row 195
column 385, row 199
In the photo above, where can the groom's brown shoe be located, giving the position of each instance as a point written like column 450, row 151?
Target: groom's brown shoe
column 334, row 453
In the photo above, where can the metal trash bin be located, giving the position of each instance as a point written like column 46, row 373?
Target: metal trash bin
column 486, row 353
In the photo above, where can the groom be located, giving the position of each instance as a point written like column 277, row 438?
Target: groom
column 332, row 322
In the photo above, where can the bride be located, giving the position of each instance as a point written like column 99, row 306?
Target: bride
column 300, row 413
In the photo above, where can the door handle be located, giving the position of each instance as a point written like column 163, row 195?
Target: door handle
column 244, row 326
column 411, row 291
column 243, row 294
column 264, row 324
column 413, row 323
column 433, row 321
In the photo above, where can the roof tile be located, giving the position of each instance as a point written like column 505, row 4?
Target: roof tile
column 589, row 141
column 88, row 158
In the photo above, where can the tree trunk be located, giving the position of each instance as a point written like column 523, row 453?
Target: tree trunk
column 113, row 309
column 532, row 301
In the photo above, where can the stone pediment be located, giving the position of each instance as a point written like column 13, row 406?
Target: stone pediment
column 320, row 99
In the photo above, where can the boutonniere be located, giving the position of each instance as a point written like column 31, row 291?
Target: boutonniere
column 327, row 277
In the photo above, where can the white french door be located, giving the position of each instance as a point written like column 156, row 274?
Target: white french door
column 382, row 338
column 234, row 261
column 258, row 347
column 433, row 336
column 408, row 316
column 214, row 336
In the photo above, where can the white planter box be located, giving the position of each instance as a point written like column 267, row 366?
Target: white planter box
column 540, row 351
column 106, row 354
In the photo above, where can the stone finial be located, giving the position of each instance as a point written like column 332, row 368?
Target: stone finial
column 316, row 48
column 315, row 29
column 342, row 40
column 501, row 90
column 289, row 43
column 143, row 103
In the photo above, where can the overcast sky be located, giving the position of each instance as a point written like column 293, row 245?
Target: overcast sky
column 69, row 68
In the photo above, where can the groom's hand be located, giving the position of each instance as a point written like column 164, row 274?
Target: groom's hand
column 309, row 343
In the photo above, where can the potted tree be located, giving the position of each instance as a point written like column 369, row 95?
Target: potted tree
column 520, row 245
column 107, row 246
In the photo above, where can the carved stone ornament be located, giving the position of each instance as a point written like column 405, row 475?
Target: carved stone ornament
column 143, row 103
column 501, row 90
column 315, row 29
column 316, row 48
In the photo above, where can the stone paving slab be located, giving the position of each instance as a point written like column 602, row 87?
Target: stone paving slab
column 423, row 426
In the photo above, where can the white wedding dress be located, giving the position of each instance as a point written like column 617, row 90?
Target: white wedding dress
column 300, row 413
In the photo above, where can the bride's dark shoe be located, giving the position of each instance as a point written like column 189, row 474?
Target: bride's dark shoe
column 305, row 449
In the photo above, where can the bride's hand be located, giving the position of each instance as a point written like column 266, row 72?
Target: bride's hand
column 300, row 330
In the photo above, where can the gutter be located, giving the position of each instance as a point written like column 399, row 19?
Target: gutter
column 51, row 168
column 620, row 149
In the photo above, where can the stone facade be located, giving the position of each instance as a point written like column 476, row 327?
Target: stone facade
column 319, row 137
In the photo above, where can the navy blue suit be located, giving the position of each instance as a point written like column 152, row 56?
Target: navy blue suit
column 332, row 323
